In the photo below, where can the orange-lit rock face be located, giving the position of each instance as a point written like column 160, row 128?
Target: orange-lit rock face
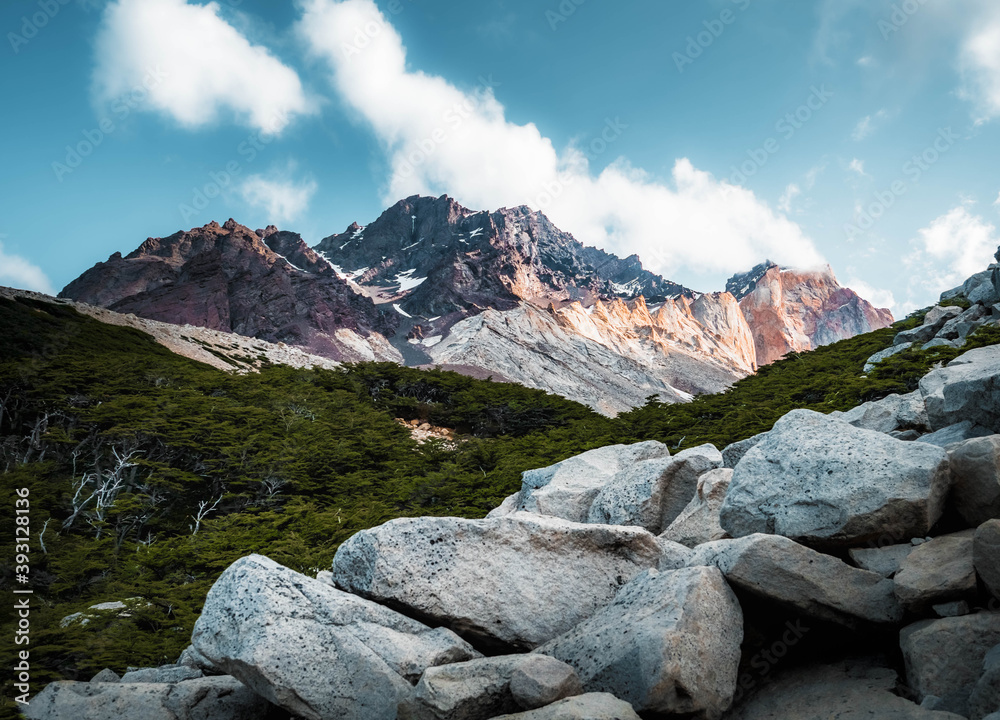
column 794, row 311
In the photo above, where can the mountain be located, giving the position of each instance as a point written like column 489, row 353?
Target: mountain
column 502, row 294
column 436, row 258
column 609, row 356
column 266, row 284
column 795, row 310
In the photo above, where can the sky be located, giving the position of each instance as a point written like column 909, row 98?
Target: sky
column 705, row 135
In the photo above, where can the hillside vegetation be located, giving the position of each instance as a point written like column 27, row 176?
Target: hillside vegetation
column 150, row 473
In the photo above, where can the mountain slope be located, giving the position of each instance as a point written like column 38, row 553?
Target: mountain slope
column 794, row 310
column 269, row 286
column 437, row 258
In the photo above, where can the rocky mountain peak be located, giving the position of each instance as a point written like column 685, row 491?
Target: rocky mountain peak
column 267, row 285
column 798, row 310
column 742, row 284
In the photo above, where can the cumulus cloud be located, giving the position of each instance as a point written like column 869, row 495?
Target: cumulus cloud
column 283, row 199
column 858, row 166
column 952, row 248
column 187, row 62
column 439, row 138
column 17, row 272
column 980, row 62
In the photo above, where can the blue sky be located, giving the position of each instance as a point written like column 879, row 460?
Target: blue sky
column 704, row 136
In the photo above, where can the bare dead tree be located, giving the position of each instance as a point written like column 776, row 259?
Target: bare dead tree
column 41, row 536
column 204, row 508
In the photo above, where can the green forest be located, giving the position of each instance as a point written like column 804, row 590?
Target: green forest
column 149, row 473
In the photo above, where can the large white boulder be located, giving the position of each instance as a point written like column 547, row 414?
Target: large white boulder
column 668, row 644
column 567, row 489
column 975, row 474
column 313, row 650
column 698, row 523
column 515, row 581
column 652, row 493
column 894, row 412
column 936, row 572
column 795, row 576
column 823, row 482
column 209, row 698
column 966, row 389
column 487, row 687
column 592, row 706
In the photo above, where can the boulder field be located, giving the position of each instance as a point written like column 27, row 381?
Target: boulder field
column 843, row 565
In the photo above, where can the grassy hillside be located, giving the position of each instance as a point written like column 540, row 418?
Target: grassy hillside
column 197, row 467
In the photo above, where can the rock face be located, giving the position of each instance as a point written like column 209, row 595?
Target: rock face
column 669, row 643
column 592, row 706
column 699, row 523
column 938, row 571
column 823, row 482
column 515, row 581
column 986, row 555
column 793, row 311
column 967, row 389
column 465, row 260
column 975, row 472
column 215, row 698
column 651, row 494
column 222, row 277
column 944, row 658
column 268, row 626
column 794, row 576
column 568, row 489
column 615, row 352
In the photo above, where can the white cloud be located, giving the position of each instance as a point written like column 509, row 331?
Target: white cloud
column 858, row 166
column 876, row 296
column 865, row 61
column 867, row 125
column 189, row 63
column 952, row 248
column 17, row 272
column 959, row 244
column 980, row 63
column 785, row 201
column 439, row 138
column 283, row 199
